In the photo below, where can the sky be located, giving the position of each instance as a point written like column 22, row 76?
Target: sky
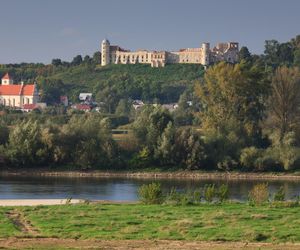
column 40, row 30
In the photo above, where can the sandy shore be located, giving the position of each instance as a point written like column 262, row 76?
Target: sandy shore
column 37, row 202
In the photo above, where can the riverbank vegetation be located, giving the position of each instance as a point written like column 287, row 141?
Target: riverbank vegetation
column 206, row 222
column 259, row 195
column 241, row 117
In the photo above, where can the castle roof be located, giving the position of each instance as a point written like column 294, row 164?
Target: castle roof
column 17, row 89
column 105, row 41
column 6, row 77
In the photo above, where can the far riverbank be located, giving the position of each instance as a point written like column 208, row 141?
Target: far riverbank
column 197, row 175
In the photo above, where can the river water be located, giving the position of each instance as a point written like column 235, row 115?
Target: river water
column 17, row 187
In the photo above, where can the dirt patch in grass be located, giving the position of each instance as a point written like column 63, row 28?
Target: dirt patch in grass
column 52, row 243
column 21, row 223
column 259, row 216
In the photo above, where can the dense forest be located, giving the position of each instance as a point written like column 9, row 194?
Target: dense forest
column 242, row 117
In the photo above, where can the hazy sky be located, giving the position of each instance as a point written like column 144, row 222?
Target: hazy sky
column 40, row 30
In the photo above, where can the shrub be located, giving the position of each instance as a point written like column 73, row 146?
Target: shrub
column 268, row 161
column 151, row 193
column 223, row 193
column 209, row 192
column 141, row 159
column 289, row 156
column 249, row 157
column 186, row 198
column 279, row 195
column 284, row 150
column 280, row 204
column 197, row 195
column 173, row 197
column 259, row 194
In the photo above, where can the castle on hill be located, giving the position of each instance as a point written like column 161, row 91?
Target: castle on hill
column 113, row 54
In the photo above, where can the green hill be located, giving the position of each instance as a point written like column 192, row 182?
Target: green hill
column 129, row 81
column 110, row 83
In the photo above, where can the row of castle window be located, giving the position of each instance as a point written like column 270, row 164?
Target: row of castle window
column 142, row 57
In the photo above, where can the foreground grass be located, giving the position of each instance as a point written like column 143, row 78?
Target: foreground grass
column 227, row 222
column 7, row 228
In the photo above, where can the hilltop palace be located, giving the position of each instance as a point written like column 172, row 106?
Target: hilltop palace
column 113, row 54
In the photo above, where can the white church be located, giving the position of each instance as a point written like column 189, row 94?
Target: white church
column 17, row 95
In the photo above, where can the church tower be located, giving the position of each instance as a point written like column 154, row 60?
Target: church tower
column 7, row 80
column 105, row 52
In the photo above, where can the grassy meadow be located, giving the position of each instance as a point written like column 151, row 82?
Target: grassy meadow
column 205, row 222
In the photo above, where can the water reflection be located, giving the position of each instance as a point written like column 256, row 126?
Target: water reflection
column 17, row 187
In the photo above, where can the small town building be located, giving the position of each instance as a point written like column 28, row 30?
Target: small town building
column 170, row 106
column 82, row 107
column 64, row 100
column 16, row 95
column 34, row 106
column 85, row 97
column 137, row 104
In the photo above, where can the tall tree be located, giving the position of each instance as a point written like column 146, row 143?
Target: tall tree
column 297, row 57
column 284, row 104
column 56, row 62
column 4, row 133
column 123, row 108
column 232, row 94
column 87, row 59
column 25, row 147
column 150, row 124
column 97, row 57
column 271, row 52
column 51, row 90
column 277, row 54
column 244, row 54
column 77, row 60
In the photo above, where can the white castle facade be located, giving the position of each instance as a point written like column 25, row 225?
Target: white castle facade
column 113, row 54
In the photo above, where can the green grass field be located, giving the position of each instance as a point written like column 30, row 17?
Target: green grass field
column 226, row 222
column 7, row 228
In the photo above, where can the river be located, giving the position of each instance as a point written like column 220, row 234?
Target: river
column 124, row 189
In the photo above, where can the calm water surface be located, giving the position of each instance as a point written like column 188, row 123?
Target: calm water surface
column 118, row 188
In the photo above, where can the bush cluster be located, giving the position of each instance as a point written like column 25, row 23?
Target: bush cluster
column 153, row 194
column 83, row 141
column 258, row 195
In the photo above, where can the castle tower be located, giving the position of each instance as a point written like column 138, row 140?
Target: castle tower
column 234, row 45
column 7, row 80
column 105, row 52
column 205, row 58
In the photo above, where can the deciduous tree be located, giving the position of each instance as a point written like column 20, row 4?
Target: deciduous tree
column 284, row 103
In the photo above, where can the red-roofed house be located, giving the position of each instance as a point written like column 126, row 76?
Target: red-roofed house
column 16, row 95
column 82, row 107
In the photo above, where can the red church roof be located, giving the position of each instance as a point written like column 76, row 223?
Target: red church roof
column 83, row 107
column 6, row 77
column 19, row 89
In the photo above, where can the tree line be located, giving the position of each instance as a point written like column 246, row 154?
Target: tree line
column 242, row 118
